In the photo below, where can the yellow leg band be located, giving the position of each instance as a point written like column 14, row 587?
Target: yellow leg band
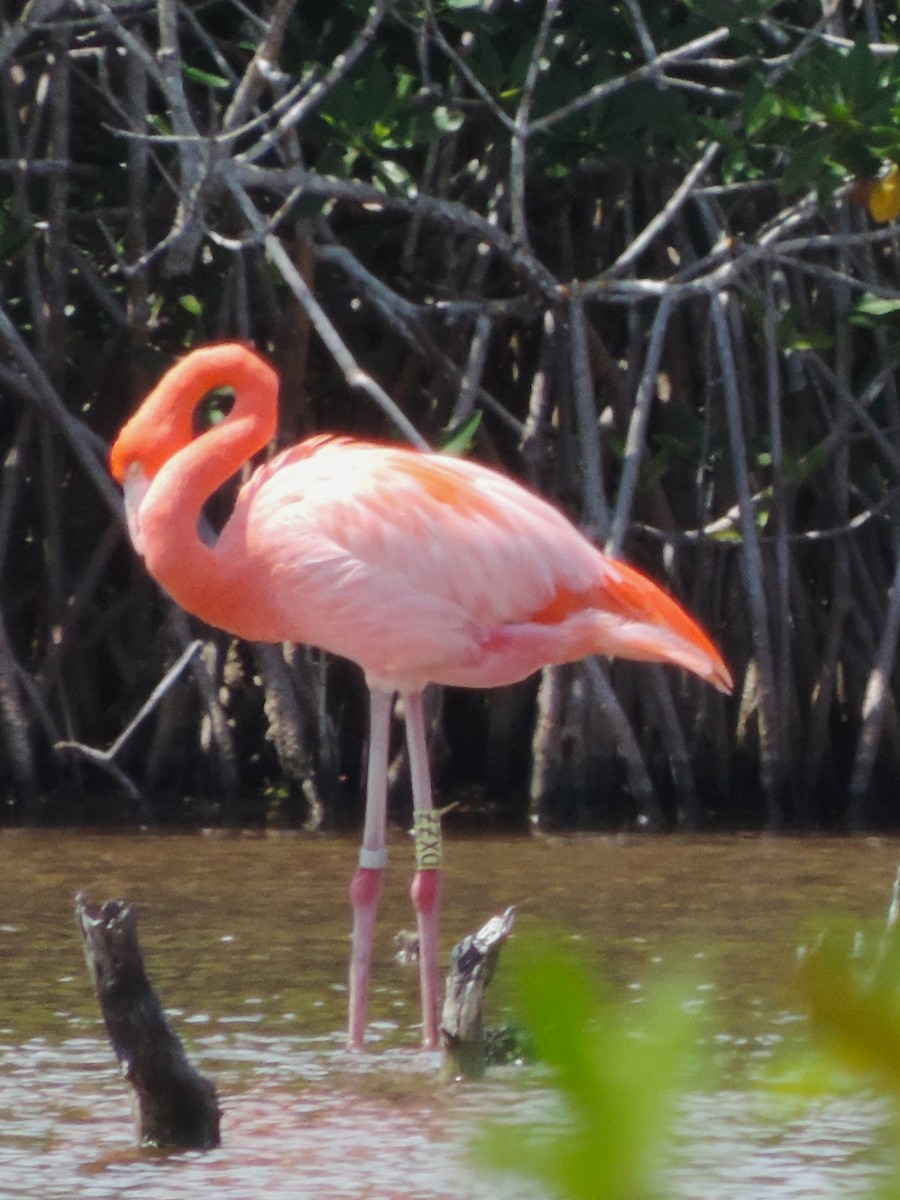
column 427, row 836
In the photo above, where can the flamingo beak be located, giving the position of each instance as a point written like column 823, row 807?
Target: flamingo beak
column 135, row 485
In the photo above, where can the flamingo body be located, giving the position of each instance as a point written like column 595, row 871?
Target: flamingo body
column 421, row 568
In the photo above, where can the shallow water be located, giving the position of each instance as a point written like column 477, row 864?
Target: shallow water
column 245, row 939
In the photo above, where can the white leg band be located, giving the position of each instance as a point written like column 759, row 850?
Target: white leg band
column 373, row 860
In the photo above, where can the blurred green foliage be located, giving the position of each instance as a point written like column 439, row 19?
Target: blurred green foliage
column 616, row 1075
column 620, row 1074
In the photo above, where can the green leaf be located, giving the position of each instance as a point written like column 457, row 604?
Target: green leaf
column 791, row 337
column 800, row 469
column 729, row 536
column 459, row 443
column 217, row 82
column 191, row 304
column 807, row 163
column 769, row 106
column 860, row 74
column 396, row 176
column 868, row 309
column 447, row 120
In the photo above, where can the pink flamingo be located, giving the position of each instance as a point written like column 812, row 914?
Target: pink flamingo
column 420, row 567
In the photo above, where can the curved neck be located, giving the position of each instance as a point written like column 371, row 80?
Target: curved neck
column 183, row 485
column 191, row 571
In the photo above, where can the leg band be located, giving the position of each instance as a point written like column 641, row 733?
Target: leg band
column 427, row 835
column 373, row 860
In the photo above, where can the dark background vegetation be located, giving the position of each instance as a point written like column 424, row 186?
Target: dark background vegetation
column 624, row 250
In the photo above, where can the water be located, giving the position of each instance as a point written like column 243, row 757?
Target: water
column 246, row 941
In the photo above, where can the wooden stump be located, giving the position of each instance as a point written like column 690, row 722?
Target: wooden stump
column 472, row 965
column 176, row 1107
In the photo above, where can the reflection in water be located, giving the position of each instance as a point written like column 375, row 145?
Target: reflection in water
column 245, row 939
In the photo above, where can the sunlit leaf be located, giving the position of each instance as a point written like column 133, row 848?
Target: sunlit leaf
column 462, row 439
column 191, row 304
column 218, row 82
column 876, row 306
column 389, row 171
column 447, row 120
column 884, row 199
column 730, row 535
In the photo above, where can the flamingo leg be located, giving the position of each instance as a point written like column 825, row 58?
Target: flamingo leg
column 365, row 887
column 426, row 885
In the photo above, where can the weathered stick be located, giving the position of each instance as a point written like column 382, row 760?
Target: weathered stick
column 104, row 758
column 472, row 965
column 176, row 1107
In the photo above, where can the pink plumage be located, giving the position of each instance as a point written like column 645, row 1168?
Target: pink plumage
column 421, row 568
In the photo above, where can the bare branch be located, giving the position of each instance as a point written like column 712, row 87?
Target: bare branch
column 637, row 430
column 592, row 488
column 313, row 97
column 353, row 373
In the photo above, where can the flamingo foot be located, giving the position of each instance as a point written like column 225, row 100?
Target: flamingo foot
column 426, row 897
column 365, row 892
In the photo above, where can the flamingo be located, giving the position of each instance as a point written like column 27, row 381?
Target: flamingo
column 420, row 567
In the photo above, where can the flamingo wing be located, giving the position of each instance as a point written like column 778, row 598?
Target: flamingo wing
column 425, row 568
column 404, row 562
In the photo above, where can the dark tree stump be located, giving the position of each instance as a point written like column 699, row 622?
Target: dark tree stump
column 472, row 965
column 176, row 1106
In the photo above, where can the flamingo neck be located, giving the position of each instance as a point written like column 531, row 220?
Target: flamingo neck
column 197, row 574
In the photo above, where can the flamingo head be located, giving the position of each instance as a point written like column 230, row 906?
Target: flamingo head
column 164, row 423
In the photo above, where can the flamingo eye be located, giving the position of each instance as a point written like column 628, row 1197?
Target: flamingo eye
column 213, row 408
